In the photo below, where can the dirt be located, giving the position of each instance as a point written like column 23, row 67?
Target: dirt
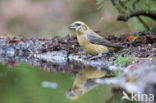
column 14, row 49
column 143, row 45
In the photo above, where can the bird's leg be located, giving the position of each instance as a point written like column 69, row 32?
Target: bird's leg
column 100, row 55
column 80, row 53
column 96, row 56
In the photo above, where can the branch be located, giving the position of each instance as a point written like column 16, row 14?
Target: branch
column 143, row 23
column 120, row 10
column 138, row 17
column 150, row 14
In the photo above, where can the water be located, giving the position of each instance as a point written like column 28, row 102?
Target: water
column 23, row 83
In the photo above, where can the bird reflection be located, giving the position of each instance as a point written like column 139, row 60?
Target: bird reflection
column 84, row 81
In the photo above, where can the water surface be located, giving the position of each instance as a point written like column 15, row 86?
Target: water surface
column 23, row 83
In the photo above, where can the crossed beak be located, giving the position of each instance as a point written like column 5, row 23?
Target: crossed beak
column 72, row 26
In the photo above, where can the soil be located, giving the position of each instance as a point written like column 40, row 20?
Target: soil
column 141, row 44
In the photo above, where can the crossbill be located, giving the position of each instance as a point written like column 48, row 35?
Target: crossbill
column 90, row 41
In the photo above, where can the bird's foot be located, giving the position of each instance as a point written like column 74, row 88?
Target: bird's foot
column 99, row 56
column 94, row 57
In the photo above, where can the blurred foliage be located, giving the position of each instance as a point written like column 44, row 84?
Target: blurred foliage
column 128, row 6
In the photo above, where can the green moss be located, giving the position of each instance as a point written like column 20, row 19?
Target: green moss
column 122, row 60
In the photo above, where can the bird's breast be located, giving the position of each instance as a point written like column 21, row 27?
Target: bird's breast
column 83, row 41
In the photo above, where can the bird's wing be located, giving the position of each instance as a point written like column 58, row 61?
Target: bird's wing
column 96, row 39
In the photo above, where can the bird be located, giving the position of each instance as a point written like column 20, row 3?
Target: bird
column 91, row 42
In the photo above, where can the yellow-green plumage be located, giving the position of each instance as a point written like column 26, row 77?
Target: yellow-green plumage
column 91, row 42
column 90, row 48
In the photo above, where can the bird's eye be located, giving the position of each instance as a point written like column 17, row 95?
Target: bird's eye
column 77, row 24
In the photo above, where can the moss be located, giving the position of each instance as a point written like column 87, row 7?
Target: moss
column 122, row 60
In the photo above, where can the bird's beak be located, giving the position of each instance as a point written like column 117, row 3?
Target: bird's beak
column 72, row 26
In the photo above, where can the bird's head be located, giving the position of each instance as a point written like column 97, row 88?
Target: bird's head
column 79, row 26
